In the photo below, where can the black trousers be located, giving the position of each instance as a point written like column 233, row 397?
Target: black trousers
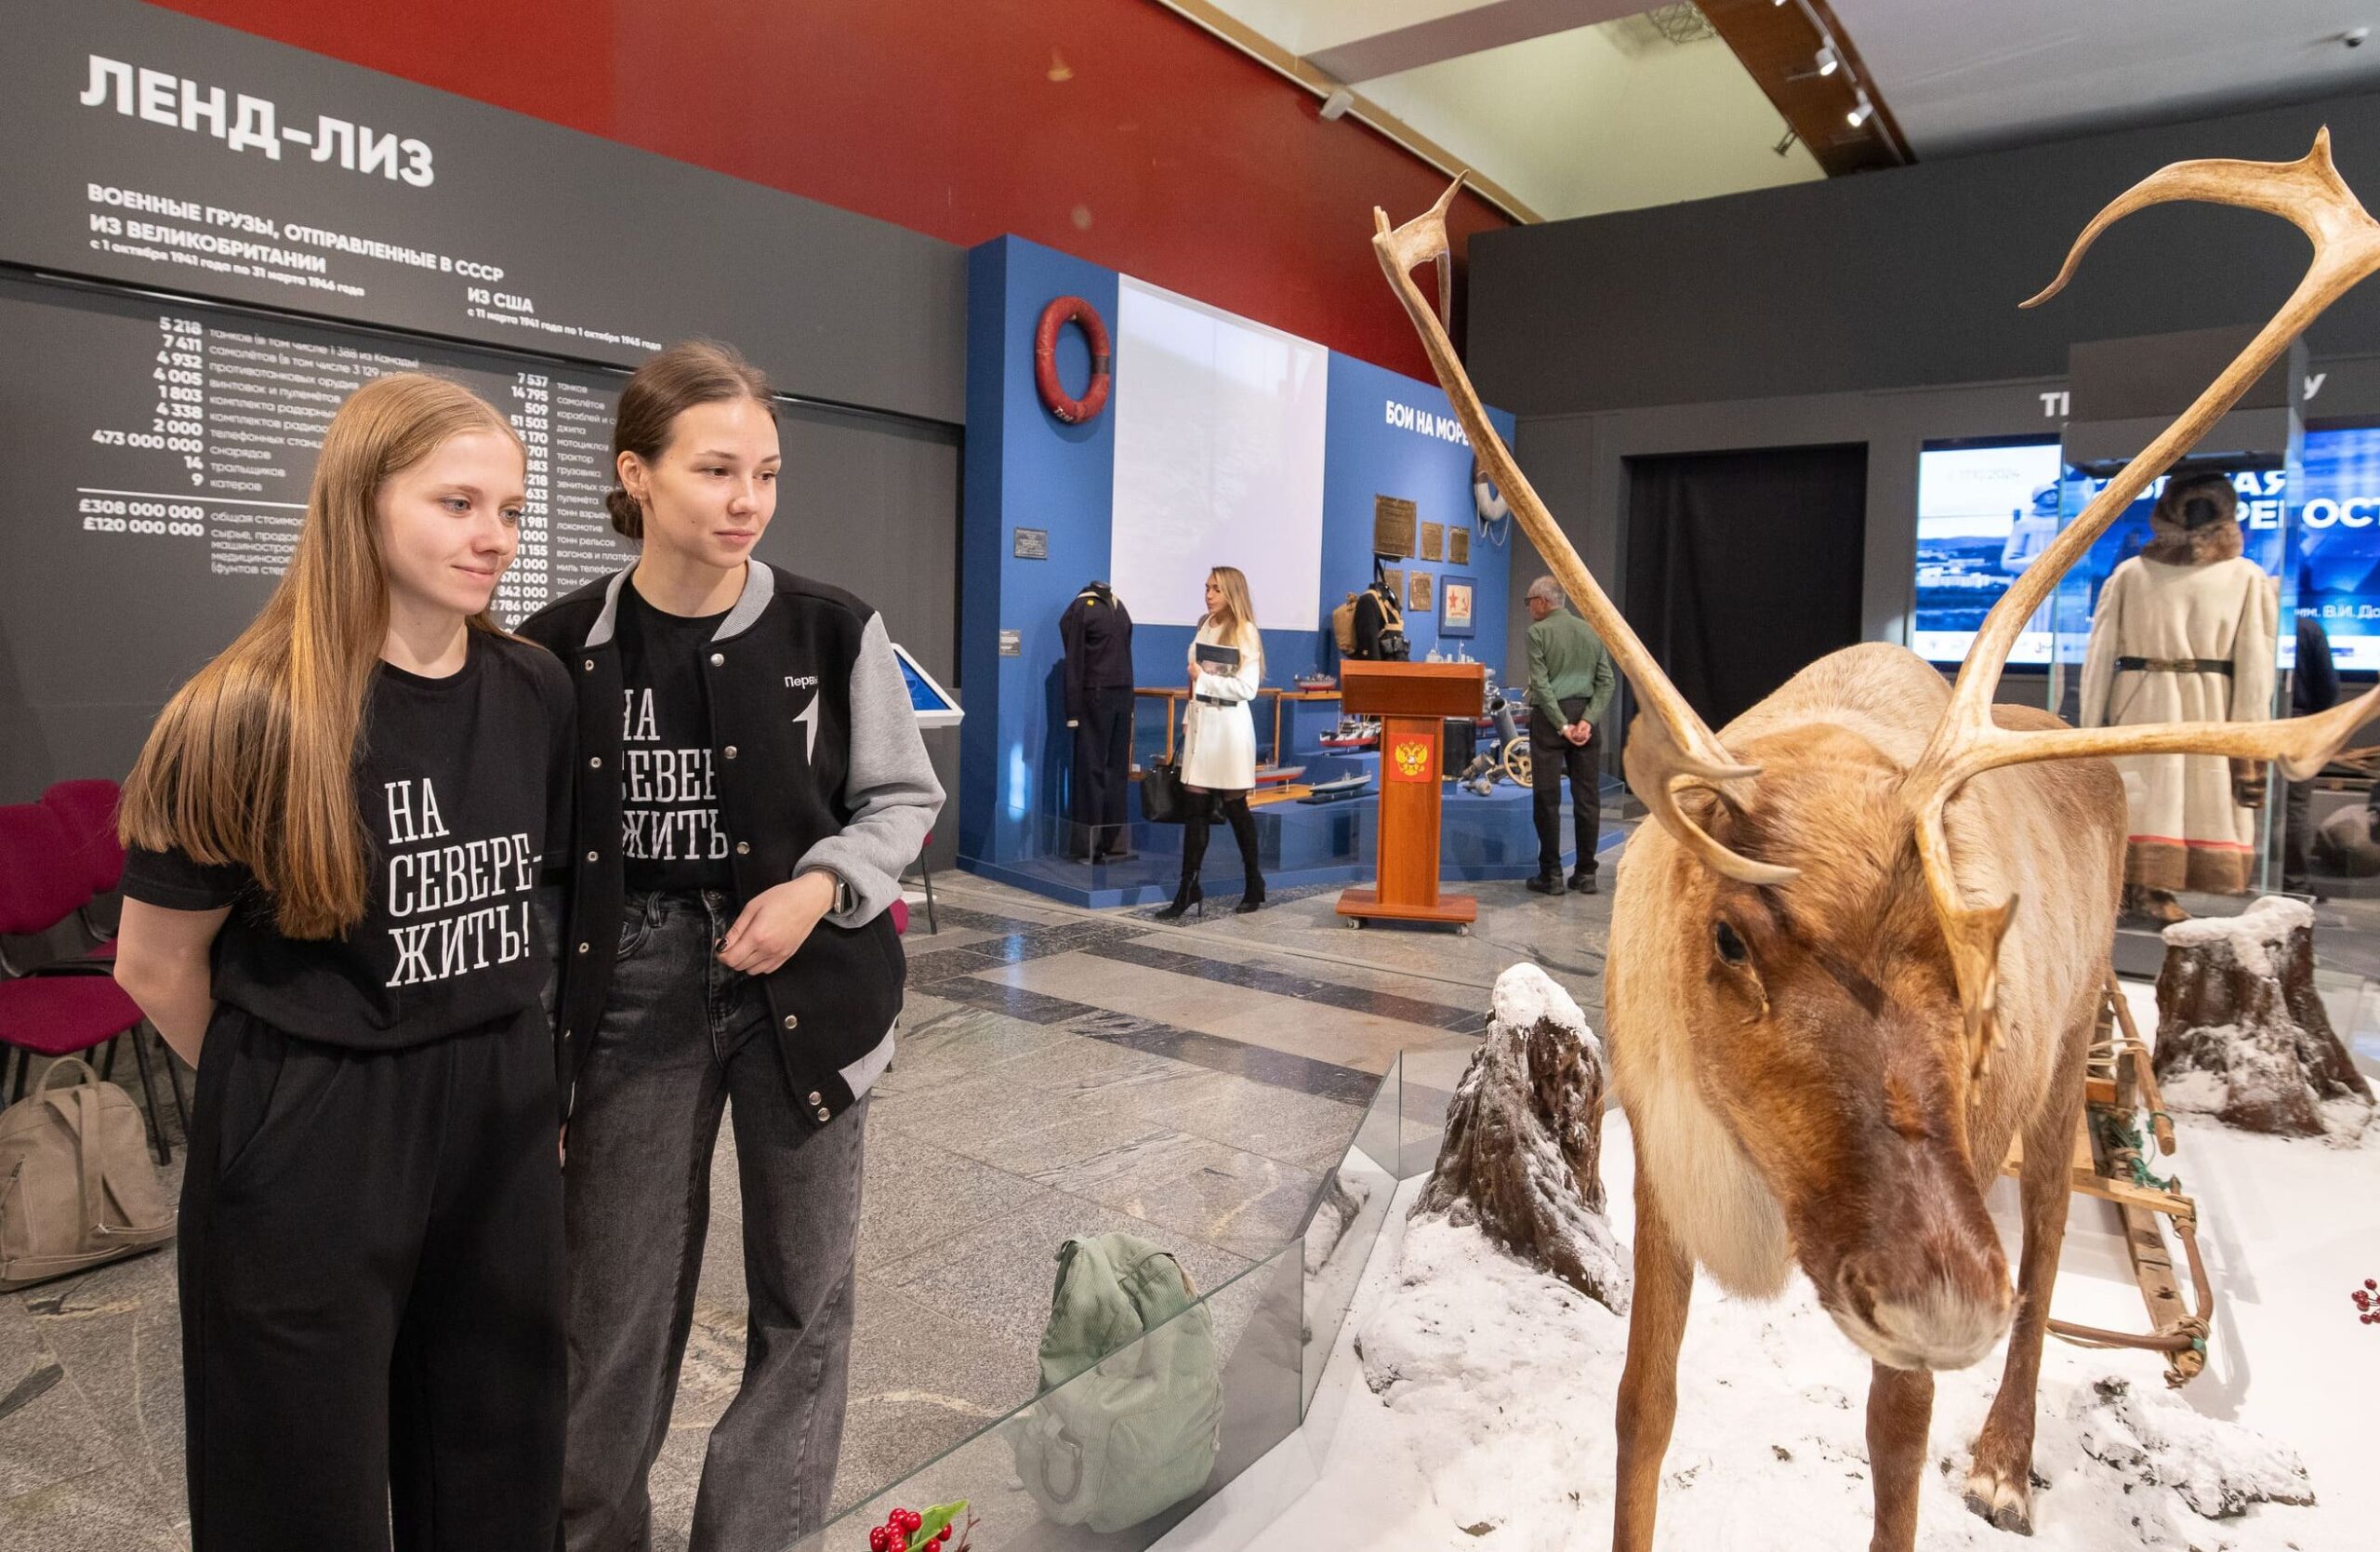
column 1103, row 770
column 371, row 1281
column 1550, row 758
column 2296, row 832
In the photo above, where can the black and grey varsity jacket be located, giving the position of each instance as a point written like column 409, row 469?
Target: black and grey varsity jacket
column 819, row 765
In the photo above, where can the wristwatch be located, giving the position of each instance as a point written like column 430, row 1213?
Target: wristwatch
column 845, row 901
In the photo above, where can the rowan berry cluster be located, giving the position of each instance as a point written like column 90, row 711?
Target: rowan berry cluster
column 2367, row 1302
column 906, row 1529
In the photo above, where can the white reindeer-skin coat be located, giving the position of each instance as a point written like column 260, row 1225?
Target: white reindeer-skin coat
column 2007, row 836
column 2187, row 833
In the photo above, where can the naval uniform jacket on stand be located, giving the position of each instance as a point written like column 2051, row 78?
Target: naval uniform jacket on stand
column 819, row 765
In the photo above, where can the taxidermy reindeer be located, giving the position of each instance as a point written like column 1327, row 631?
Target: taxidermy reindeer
column 1830, row 1016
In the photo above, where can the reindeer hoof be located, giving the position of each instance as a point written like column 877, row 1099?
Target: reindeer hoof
column 2007, row 1504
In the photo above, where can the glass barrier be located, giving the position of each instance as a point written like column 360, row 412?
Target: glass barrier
column 1117, row 1454
column 1114, row 1454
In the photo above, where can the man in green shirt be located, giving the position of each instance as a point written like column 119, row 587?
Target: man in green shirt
column 1569, row 685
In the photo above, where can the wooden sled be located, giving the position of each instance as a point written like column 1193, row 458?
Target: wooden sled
column 2111, row 1164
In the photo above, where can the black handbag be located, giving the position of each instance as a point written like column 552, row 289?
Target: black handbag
column 1163, row 802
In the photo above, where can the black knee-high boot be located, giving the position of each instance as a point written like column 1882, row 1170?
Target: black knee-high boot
column 1243, row 830
column 1193, row 852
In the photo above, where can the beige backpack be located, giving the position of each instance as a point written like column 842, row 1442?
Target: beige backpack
column 77, row 1188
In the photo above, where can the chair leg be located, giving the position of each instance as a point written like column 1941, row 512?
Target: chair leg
column 25, row 1071
column 163, row 1150
column 107, row 1063
column 931, row 925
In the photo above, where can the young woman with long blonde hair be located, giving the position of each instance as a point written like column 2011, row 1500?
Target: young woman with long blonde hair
column 1219, row 737
column 333, row 836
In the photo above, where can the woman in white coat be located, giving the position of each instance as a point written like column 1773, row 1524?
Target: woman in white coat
column 1219, row 737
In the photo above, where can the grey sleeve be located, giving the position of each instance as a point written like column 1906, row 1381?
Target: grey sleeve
column 890, row 785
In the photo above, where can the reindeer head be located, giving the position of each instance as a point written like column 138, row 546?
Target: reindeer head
column 1841, row 990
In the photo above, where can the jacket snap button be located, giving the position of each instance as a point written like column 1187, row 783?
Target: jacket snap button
column 718, row 660
column 590, row 665
column 731, row 751
column 822, row 1113
column 592, row 857
column 743, row 847
column 595, row 762
column 793, row 1021
column 817, row 1099
column 582, row 948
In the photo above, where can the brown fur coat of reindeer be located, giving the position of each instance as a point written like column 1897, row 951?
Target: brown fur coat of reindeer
column 1823, row 1047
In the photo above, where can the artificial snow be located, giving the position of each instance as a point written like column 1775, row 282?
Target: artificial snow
column 2253, row 934
column 1525, row 993
column 1479, row 1393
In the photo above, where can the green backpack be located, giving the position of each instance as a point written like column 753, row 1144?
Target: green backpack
column 1132, row 1402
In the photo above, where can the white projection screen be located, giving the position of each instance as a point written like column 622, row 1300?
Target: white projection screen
column 1219, row 433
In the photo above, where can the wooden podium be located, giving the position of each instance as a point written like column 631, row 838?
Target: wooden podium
column 1412, row 701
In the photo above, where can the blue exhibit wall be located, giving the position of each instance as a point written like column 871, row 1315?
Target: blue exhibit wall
column 1388, row 435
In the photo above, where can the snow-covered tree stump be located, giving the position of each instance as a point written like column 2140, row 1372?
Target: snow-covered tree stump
column 1524, row 1140
column 2240, row 1032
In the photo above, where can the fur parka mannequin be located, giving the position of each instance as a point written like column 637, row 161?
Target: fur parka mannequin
column 2187, row 630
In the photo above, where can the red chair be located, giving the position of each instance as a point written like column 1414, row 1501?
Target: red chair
column 57, row 1015
column 87, row 811
column 900, row 914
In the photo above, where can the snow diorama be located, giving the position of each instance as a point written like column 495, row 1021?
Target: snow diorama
column 1493, row 1381
column 2240, row 1030
column 1519, row 1161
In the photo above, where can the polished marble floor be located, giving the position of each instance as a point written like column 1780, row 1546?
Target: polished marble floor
column 1060, row 1072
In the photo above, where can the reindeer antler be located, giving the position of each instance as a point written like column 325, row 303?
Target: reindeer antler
column 1683, row 752
column 2347, row 249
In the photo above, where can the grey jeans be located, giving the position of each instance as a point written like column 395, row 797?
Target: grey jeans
column 679, row 1035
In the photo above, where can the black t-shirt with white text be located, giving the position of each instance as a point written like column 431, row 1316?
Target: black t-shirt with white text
column 462, row 785
column 669, row 832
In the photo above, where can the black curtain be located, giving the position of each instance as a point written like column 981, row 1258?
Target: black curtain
column 1742, row 567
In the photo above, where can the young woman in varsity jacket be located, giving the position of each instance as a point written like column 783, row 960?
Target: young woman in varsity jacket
column 334, row 834
column 751, row 784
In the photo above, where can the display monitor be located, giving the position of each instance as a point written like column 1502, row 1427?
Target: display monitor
column 935, row 707
column 1986, row 509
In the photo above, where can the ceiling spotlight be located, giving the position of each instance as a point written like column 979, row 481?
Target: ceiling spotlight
column 1337, row 103
column 1829, row 61
column 1860, row 113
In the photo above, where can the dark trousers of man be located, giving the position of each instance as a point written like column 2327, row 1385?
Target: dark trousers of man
column 1552, row 757
column 371, row 1258
column 1103, row 770
column 681, row 1036
column 2296, row 832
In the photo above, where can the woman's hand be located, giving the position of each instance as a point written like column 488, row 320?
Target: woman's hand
column 777, row 922
column 1194, row 670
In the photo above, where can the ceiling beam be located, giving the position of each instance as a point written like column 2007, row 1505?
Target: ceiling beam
column 1231, row 30
column 1779, row 41
column 1470, row 30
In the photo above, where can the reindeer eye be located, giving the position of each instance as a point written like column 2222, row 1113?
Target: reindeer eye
column 1731, row 948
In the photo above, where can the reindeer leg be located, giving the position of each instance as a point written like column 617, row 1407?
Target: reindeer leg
column 2000, row 1484
column 1901, row 1415
column 1648, row 1383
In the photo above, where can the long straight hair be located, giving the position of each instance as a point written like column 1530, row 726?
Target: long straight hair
column 1236, row 622
column 253, row 761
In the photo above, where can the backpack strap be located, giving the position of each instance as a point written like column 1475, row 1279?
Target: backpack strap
column 79, row 1110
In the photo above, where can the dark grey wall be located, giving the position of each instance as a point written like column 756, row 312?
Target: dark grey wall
column 1879, row 308
column 1899, row 278
column 98, row 628
column 541, row 238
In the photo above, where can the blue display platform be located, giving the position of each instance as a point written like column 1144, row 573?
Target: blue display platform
column 1481, row 838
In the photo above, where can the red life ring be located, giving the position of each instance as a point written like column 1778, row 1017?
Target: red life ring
column 1055, row 317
